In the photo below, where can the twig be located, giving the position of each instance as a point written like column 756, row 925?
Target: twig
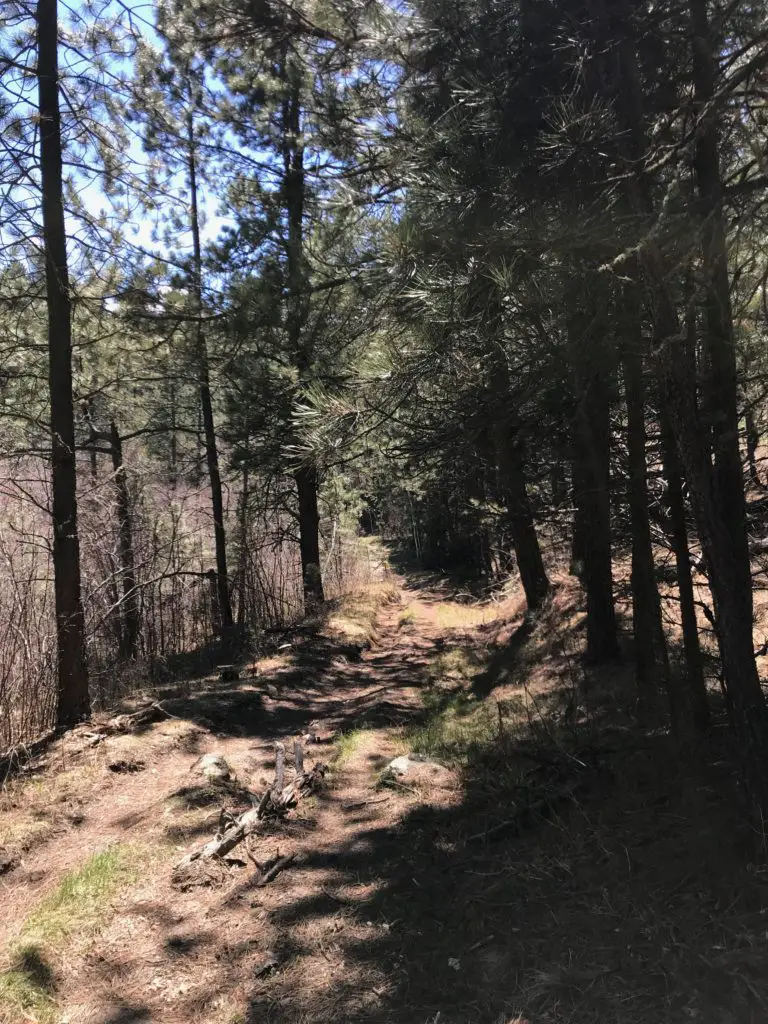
column 277, row 867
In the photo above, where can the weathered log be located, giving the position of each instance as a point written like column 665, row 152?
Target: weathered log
column 223, row 844
column 129, row 722
column 274, row 803
column 277, row 787
column 18, row 756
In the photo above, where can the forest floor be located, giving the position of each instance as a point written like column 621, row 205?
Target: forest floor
column 553, row 863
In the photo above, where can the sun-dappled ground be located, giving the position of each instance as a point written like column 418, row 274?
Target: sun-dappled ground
column 556, row 865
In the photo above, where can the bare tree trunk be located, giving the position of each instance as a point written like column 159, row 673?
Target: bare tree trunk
column 694, row 664
column 719, row 497
column 206, row 403
column 592, row 438
column 578, row 525
column 129, row 614
column 717, row 494
column 74, row 699
column 294, row 187
column 88, row 413
column 173, row 471
column 242, row 568
column 309, row 536
column 530, row 564
column 649, row 641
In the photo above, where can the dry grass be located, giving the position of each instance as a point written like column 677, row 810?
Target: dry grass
column 33, row 809
column 407, row 617
column 77, row 909
column 352, row 617
column 450, row 615
column 348, row 744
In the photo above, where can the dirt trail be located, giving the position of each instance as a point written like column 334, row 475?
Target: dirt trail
column 232, row 952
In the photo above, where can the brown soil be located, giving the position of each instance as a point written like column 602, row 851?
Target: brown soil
column 200, row 955
column 640, row 900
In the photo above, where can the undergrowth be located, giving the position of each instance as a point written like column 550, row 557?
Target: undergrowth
column 351, row 618
column 348, row 744
column 79, row 907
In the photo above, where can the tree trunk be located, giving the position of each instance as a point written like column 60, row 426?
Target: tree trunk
column 753, row 440
column 129, row 612
column 242, row 567
column 650, row 647
column 717, row 494
column 524, row 539
column 173, row 472
column 697, row 687
column 592, row 438
column 309, row 536
column 206, row 403
column 722, row 501
column 578, row 525
column 74, row 699
column 293, row 188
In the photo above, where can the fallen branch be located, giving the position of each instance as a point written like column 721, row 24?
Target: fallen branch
column 130, row 722
column 15, row 758
column 274, row 804
column 275, row 869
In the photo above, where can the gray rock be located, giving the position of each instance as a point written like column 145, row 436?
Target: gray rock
column 215, row 767
column 418, row 769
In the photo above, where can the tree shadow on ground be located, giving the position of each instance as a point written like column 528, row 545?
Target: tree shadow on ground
column 634, row 900
column 588, row 876
column 325, row 680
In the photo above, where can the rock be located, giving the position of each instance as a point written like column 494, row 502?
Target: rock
column 229, row 673
column 269, row 963
column 215, row 767
column 400, row 765
column 417, row 769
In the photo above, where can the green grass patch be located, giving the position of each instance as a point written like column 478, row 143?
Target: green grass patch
column 27, row 989
column 80, row 905
column 83, row 897
column 456, row 725
column 460, row 663
column 348, row 744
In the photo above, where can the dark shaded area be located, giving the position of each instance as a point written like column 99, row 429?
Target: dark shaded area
column 128, row 1014
column 30, row 962
column 624, row 904
column 455, row 579
column 501, row 667
column 588, row 873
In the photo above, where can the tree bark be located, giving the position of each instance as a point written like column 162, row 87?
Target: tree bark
column 651, row 662
column 592, row 438
column 129, row 612
column 525, row 541
column 309, row 536
column 697, row 687
column 578, row 524
column 294, row 185
column 206, row 402
column 74, row 699
column 717, row 492
column 719, row 496
column 242, row 568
